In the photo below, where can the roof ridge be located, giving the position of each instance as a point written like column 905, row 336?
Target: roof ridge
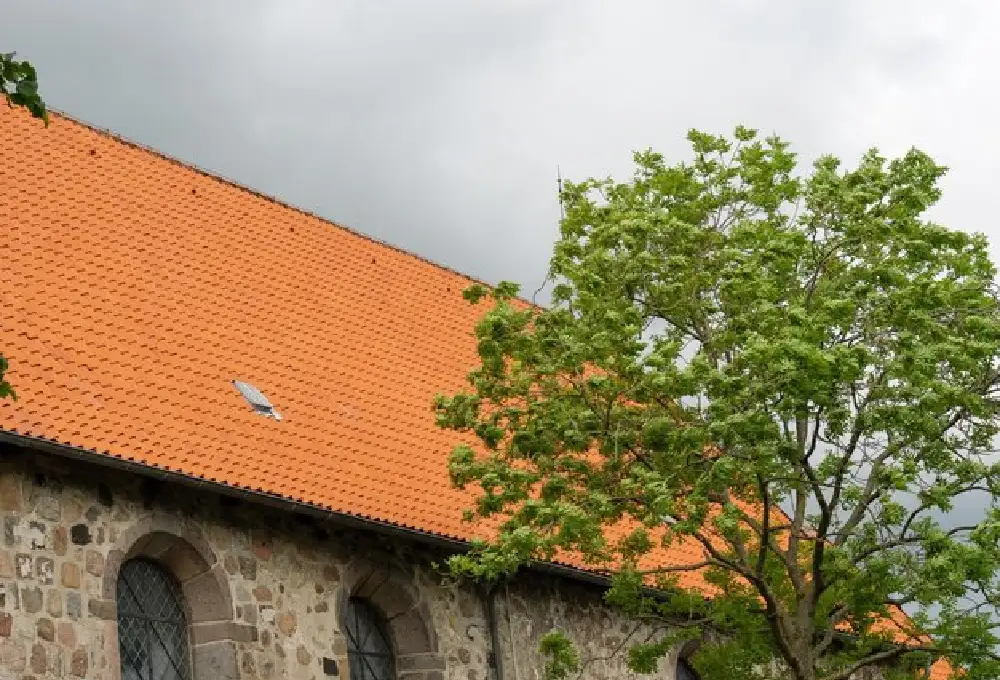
column 121, row 139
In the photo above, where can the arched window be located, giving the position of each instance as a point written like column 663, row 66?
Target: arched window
column 369, row 651
column 152, row 630
column 684, row 671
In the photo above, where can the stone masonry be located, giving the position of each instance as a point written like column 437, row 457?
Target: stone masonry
column 262, row 588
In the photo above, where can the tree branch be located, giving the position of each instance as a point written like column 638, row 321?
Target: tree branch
column 773, row 614
column 762, row 548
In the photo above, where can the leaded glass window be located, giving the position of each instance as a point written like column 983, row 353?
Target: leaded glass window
column 152, row 630
column 684, row 671
column 369, row 651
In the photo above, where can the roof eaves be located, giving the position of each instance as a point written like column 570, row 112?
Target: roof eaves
column 278, row 502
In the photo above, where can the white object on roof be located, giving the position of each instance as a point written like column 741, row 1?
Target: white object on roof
column 256, row 399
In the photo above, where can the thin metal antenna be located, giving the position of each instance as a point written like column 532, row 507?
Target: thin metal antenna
column 562, row 208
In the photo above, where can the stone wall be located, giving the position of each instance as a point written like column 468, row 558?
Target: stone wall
column 263, row 589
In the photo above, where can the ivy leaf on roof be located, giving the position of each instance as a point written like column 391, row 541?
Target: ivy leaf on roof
column 19, row 86
column 6, row 389
column 761, row 391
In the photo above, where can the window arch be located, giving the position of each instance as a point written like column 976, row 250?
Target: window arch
column 684, row 671
column 152, row 625
column 369, row 648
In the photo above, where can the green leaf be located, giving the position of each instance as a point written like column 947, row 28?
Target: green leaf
column 19, row 85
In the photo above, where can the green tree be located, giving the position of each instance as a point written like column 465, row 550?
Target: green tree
column 795, row 371
column 19, row 86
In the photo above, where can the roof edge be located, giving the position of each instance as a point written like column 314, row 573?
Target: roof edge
column 121, row 139
column 260, row 498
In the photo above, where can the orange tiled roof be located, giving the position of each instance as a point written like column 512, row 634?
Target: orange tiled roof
column 135, row 288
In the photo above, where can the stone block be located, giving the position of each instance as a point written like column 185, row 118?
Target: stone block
column 66, row 634
column 13, row 656
column 287, row 623
column 31, row 600
column 6, row 565
column 72, row 510
column 54, row 603
column 10, row 493
column 248, row 568
column 23, row 562
column 112, row 566
column 216, row 660
column 10, row 537
column 213, row 631
column 45, row 570
column 412, row 634
column 250, row 614
column 38, row 661
column 208, row 597
column 105, row 610
column 69, row 575
column 393, row 599
column 35, row 535
column 248, row 666
column 94, row 563
column 154, row 545
column 364, row 577
column 421, row 662
column 262, row 543
column 79, row 534
column 45, row 629
column 183, row 561
column 79, row 663
column 47, row 507
column 74, row 605
column 60, row 541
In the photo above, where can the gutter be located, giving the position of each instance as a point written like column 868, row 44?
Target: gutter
column 495, row 660
column 277, row 502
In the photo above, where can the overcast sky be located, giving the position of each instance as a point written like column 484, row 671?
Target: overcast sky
column 437, row 125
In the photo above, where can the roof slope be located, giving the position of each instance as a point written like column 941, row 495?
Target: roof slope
column 134, row 289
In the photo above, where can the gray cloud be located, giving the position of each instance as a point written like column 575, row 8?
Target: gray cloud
column 438, row 125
